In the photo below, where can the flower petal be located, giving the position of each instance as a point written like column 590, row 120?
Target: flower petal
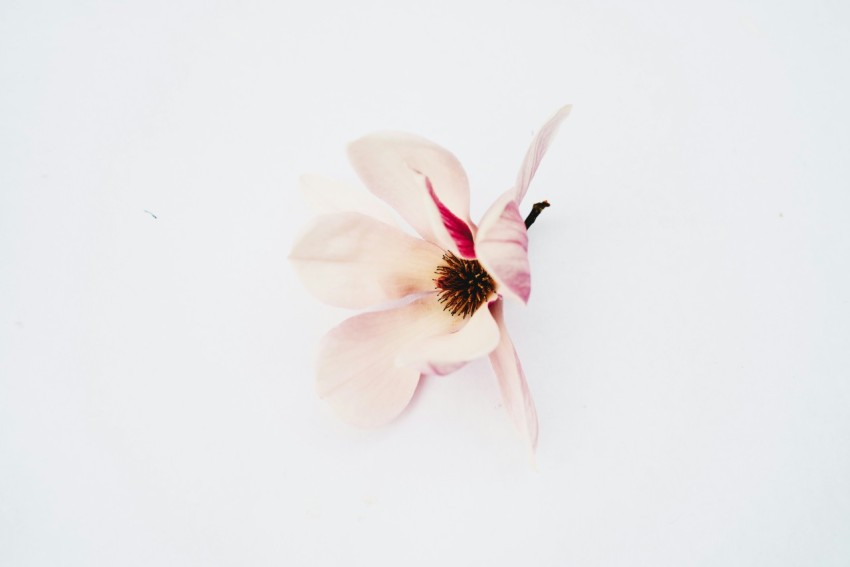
column 512, row 385
column 392, row 164
column 458, row 230
column 446, row 352
column 502, row 247
column 537, row 150
column 326, row 195
column 352, row 260
column 357, row 371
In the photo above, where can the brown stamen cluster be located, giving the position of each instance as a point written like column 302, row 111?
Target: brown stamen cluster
column 464, row 285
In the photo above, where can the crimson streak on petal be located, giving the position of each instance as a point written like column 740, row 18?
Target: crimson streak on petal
column 457, row 228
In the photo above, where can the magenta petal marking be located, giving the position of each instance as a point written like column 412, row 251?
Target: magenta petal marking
column 387, row 163
column 459, row 231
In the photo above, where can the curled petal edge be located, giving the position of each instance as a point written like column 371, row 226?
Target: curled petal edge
column 446, row 352
column 502, row 248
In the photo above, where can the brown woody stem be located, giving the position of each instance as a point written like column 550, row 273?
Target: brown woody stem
column 535, row 212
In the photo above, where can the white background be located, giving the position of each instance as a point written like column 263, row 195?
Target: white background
column 686, row 341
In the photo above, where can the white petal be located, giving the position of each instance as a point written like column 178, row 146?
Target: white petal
column 512, row 385
column 352, row 260
column 326, row 195
column 537, row 150
column 467, row 340
column 357, row 371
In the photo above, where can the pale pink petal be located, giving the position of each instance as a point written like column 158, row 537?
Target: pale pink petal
column 352, row 260
column 437, row 369
column 537, row 150
column 357, row 370
column 512, row 385
column 458, row 230
column 443, row 353
column 326, row 195
column 392, row 164
column 502, row 248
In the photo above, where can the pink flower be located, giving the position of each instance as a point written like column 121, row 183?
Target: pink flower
column 454, row 277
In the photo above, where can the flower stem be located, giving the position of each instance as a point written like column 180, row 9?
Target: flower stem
column 535, row 212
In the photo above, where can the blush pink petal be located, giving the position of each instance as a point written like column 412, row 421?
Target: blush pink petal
column 437, row 369
column 392, row 165
column 537, row 150
column 326, row 195
column 512, row 385
column 466, row 339
column 352, row 260
column 502, row 247
column 357, row 371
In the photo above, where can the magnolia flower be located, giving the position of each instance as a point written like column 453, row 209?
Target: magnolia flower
column 454, row 278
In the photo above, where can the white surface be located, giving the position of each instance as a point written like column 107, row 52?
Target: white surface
column 686, row 341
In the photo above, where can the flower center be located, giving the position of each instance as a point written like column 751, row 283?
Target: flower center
column 464, row 285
